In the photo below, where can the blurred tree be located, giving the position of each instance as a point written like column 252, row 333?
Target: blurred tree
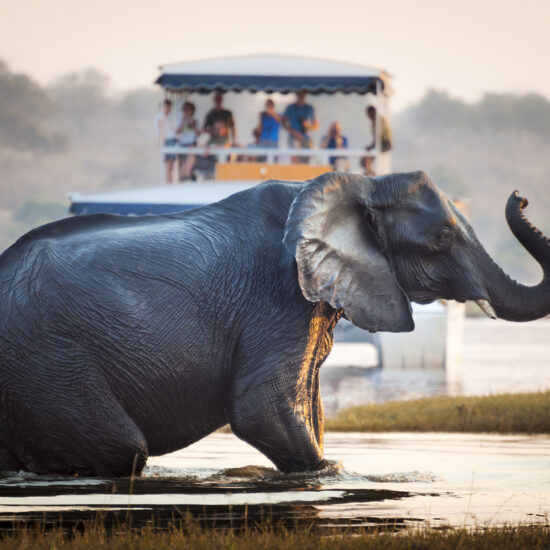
column 139, row 103
column 438, row 112
column 25, row 109
column 508, row 112
column 38, row 211
column 449, row 180
column 79, row 96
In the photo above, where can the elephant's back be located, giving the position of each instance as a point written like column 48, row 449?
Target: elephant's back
column 155, row 305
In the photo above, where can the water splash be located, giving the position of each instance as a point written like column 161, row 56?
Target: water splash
column 332, row 470
column 247, row 472
column 185, row 476
column 404, row 477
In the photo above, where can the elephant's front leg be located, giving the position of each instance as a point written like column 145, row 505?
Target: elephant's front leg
column 281, row 415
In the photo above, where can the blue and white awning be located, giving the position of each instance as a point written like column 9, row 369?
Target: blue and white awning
column 272, row 73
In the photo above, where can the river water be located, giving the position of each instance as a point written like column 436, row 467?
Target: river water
column 497, row 357
column 391, row 480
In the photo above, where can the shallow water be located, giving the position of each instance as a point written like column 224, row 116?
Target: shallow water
column 391, row 480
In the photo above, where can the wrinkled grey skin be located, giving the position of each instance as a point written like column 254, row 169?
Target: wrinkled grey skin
column 123, row 337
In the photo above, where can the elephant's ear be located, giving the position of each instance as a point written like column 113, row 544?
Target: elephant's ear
column 338, row 254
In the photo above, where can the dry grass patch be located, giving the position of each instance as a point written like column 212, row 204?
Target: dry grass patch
column 507, row 413
column 511, row 537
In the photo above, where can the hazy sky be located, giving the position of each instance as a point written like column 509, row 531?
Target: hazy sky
column 465, row 47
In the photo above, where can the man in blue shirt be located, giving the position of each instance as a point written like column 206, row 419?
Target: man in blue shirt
column 269, row 125
column 299, row 119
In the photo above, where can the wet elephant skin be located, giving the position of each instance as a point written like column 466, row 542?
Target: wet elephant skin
column 125, row 337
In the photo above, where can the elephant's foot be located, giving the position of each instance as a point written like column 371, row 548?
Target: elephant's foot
column 323, row 465
column 124, row 461
column 284, row 437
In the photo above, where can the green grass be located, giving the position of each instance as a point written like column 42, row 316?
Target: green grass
column 507, row 413
column 511, row 537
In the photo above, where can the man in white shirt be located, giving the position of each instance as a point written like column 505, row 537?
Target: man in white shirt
column 166, row 132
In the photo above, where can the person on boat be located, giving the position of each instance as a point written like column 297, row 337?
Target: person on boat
column 386, row 143
column 166, row 126
column 335, row 140
column 269, row 126
column 219, row 113
column 253, row 145
column 186, row 131
column 299, row 119
column 219, row 137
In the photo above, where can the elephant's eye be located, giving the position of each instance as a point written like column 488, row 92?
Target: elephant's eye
column 444, row 237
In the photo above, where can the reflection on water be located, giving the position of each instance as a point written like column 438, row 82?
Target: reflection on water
column 497, row 357
column 391, row 480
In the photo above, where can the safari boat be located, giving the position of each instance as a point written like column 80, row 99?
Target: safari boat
column 339, row 92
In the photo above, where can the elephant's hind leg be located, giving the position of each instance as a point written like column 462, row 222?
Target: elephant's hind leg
column 78, row 427
column 120, row 451
column 103, row 443
column 107, row 440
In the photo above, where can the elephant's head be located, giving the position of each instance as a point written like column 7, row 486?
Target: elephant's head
column 373, row 245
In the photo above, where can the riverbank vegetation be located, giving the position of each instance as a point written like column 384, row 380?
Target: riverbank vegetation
column 511, row 537
column 507, row 413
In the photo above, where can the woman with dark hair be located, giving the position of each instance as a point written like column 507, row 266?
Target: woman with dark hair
column 187, row 132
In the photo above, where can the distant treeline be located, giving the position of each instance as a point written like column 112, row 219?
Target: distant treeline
column 49, row 119
column 438, row 112
column 24, row 107
column 78, row 134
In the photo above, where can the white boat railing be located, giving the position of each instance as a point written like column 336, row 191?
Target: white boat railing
column 321, row 156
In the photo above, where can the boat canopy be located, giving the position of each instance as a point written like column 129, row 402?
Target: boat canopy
column 272, row 73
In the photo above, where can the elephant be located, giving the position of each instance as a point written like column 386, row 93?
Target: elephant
column 124, row 337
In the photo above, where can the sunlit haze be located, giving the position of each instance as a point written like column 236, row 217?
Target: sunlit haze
column 464, row 48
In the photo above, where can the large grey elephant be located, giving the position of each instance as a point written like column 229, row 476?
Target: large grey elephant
column 123, row 337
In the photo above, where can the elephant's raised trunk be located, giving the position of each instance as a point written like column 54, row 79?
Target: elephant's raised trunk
column 511, row 300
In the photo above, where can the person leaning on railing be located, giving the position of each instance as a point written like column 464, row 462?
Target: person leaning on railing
column 219, row 137
column 299, row 119
column 386, row 141
column 218, row 112
column 335, row 140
